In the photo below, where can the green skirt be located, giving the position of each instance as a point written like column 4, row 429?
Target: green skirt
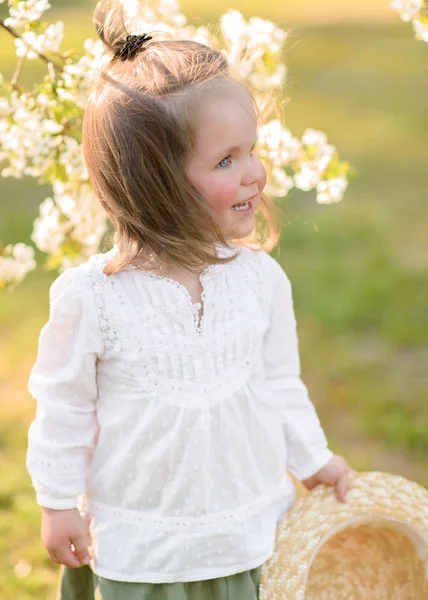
column 83, row 584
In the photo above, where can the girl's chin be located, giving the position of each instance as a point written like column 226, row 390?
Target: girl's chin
column 242, row 231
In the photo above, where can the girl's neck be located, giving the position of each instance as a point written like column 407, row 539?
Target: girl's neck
column 166, row 267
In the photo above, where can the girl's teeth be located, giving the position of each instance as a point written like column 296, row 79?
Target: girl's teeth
column 243, row 206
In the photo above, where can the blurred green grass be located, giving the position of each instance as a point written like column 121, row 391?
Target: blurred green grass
column 359, row 268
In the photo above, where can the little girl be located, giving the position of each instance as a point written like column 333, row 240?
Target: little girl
column 167, row 379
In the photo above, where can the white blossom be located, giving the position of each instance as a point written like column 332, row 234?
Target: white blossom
column 307, row 178
column 421, row 29
column 15, row 262
column 169, row 10
column 26, row 12
column 276, row 144
column 72, row 159
column 30, row 44
column 233, row 27
column 310, row 158
column 324, row 156
column 254, row 49
column 280, row 183
column 408, row 9
column 265, row 33
column 29, row 140
column 315, row 159
column 200, row 34
column 78, row 78
column 74, row 214
column 49, row 126
column 163, row 16
column 312, row 137
column 49, row 233
column 415, row 11
column 331, row 190
column 131, row 9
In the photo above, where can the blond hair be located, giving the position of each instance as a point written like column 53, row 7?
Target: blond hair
column 137, row 131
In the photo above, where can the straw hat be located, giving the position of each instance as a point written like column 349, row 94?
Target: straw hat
column 373, row 547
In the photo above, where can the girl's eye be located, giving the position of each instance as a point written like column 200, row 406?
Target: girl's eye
column 225, row 162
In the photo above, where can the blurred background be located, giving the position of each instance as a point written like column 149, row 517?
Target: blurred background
column 359, row 269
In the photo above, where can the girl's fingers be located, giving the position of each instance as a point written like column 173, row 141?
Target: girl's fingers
column 81, row 549
column 65, row 556
column 342, row 487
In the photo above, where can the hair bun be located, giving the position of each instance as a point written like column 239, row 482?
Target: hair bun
column 132, row 46
column 109, row 24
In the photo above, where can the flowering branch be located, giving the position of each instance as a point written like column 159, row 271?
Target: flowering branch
column 39, row 54
column 40, row 129
column 17, row 73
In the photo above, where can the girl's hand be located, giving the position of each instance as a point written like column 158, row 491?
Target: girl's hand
column 60, row 529
column 336, row 472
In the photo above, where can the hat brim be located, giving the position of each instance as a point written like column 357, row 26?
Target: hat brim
column 375, row 498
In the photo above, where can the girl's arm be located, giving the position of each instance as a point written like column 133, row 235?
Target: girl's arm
column 307, row 446
column 63, row 381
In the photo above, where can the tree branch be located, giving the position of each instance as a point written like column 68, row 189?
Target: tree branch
column 39, row 54
column 14, row 80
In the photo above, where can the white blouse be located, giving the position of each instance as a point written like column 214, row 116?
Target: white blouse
column 173, row 434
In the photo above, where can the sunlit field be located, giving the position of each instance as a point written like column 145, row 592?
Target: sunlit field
column 359, row 269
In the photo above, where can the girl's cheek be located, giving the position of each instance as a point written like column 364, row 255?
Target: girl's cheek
column 221, row 197
column 222, row 202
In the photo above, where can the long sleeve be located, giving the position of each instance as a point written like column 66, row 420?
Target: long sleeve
column 307, row 447
column 63, row 381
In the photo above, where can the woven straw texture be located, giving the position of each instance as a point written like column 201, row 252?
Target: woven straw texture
column 373, row 547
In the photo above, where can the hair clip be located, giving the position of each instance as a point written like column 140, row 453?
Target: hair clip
column 131, row 46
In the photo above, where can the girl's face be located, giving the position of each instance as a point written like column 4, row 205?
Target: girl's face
column 222, row 166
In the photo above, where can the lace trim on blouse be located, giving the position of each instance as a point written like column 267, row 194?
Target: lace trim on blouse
column 127, row 321
column 189, row 524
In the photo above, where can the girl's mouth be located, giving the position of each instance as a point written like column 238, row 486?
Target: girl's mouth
column 243, row 206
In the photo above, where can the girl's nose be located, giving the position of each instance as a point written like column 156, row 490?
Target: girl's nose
column 254, row 172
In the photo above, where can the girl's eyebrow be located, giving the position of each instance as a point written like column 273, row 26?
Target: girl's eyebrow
column 230, row 150
column 235, row 148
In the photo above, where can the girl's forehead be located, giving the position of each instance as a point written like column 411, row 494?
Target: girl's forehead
column 225, row 115
column 227, row 98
